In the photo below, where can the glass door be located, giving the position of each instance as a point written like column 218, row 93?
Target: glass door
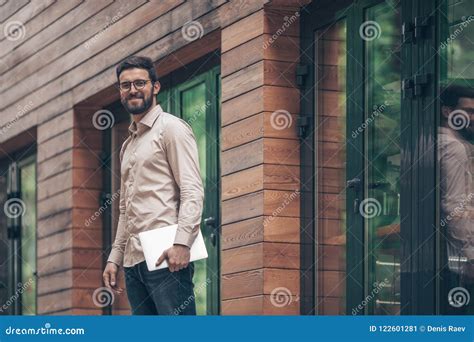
column 357, row 65
column 397, row 237
column 374, row 159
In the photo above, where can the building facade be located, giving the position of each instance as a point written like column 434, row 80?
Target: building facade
column 317, row 124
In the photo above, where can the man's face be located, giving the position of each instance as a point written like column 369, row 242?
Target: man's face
column 461, row 117
column 137, row 101
column 466, row 104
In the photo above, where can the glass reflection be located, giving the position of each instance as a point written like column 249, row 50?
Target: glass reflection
column 455, row 158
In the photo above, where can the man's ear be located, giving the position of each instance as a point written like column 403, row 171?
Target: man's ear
column 156, row 87
column 445, row 111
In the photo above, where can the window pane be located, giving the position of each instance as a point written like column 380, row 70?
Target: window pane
column 28, row 240
column 4, row 244
column 193, row 108
column 457, row 50
column 381, row 204
column 330, row 44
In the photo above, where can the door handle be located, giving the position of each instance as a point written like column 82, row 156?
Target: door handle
column 378, row 185
column 211, row 222
column 356, row 185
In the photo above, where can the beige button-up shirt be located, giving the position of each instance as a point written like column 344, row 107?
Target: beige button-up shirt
column 160, row 184
column 456, row 157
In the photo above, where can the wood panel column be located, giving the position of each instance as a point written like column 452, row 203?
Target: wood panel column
column 70, row 250
column 260, row 257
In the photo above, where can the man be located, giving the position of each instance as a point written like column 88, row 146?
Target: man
column 160, row 185
column 456, row 158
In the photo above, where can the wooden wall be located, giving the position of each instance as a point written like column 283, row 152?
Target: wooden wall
column 63, row 71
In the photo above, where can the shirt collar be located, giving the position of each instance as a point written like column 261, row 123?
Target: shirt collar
column 146, row 122
column 451, row 132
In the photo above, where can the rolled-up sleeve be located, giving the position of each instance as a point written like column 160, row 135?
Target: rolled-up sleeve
column 118, row 248
column 182, row 154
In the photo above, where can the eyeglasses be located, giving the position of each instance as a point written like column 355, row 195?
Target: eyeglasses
column 138, row 84
column 469, row 111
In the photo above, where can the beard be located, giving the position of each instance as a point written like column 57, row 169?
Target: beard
column 468, row 133
column 144, row 103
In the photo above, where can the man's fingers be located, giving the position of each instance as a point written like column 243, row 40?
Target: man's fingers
column 162, row 258
column 171, row 264
column 112, row 278
column 175, row 265
column 106, row 279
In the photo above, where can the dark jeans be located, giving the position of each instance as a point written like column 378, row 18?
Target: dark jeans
column 160, row 292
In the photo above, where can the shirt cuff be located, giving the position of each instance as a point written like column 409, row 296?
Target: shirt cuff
column 116, row 257
column 184, row 238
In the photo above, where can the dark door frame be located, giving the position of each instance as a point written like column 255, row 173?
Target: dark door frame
column 419, row 184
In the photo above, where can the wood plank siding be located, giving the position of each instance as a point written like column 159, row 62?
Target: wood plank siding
column 63, row 71
column 260, row 164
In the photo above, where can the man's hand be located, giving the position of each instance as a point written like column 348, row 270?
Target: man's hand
column 177, row 257
column 110, row 277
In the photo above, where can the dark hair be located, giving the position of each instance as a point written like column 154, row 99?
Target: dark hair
column 451, row 94
column 139, row 62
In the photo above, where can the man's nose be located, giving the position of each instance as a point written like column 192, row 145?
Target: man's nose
column 133, row 90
